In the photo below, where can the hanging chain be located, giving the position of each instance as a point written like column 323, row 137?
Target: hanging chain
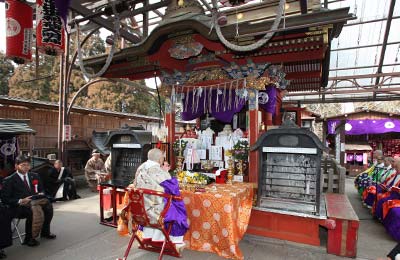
column 253, row 46
column 110, row 55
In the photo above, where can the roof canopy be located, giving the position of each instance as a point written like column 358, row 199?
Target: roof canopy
column 15, row 127
column 357, row 147
column 366, row 126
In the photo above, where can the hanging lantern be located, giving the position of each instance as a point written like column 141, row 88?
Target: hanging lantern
column 50, row 28
column 19, row 26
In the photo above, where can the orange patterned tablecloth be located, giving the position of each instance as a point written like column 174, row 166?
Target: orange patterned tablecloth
column 218, row 218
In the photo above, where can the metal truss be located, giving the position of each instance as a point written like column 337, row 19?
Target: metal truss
column 355, row 91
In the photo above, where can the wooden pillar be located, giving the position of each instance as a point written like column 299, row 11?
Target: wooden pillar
column 340, row 142
column 324, row 132
column 268, row 118
column 170, row 123
column 253, row 134
column 278, row 115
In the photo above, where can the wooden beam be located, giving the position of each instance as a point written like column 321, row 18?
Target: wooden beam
column 303, row 6
column 141, row 10
column 385, row 40
column 106, row 23
column 158, row 13
column 145, row 28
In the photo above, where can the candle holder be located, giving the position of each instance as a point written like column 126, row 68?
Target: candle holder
column 179, row 163
column 230, row 170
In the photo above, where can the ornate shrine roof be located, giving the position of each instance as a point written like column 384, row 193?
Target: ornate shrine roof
column 302, row 49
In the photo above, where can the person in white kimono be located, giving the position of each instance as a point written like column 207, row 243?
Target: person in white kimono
column 149, row 175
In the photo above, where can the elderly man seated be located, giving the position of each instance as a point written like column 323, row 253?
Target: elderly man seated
column 153, row 175
column 95, row 171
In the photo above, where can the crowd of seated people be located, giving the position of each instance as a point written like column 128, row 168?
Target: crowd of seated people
column 379, row 188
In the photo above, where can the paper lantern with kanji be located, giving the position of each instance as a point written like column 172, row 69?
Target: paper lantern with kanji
column 49, row 29
column 19, row 26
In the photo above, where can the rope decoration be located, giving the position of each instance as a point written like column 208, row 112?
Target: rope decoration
column 253, row 46
column 110, row 55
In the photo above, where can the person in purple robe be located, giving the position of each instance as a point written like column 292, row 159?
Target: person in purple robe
column 388, row 190
column 153, row 175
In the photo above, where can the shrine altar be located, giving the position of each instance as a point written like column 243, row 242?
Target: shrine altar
column 218, row 218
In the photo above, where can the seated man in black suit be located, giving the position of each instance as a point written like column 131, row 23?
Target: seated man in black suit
column 57, row 176
column 5, row 226
column 20, row 190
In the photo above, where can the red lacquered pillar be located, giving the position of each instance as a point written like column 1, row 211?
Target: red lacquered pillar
column 253, row 134
column 268, row 118
column 170, row 123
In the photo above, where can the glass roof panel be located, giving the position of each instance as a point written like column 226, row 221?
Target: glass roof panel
column 394, row 35
column 394, row 56
column 348, row 51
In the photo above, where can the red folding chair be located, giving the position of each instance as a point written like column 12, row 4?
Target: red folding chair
column 139, row 216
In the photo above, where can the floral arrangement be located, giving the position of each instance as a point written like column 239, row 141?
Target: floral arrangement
column 179, row 145
column 240, row 150
column 186, row 177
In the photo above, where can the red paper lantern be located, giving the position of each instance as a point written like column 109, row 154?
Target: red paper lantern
column 50, row 28
column 19, row 26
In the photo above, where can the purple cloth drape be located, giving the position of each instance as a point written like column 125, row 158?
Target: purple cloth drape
column 62, row 7
column 177, row 211
column 359, row 157
column 350, row 157
column 267, row 99
column 392, row 223
column 224, row 106
column 217, row 104
column 366, row 126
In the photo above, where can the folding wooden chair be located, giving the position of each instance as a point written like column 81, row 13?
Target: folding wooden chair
column 138, row 214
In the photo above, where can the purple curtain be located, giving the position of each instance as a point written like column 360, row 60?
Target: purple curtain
column 267, row 99
column 359, row 157
column 350, row 157
column 366, row 126
column 223, row 106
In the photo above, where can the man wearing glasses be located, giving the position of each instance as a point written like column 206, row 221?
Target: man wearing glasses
column 23, row 192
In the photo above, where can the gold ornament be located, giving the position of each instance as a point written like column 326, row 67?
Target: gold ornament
column 258, row 84
column 241, row 166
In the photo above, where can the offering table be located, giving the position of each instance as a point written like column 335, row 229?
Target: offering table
column 218, row 218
